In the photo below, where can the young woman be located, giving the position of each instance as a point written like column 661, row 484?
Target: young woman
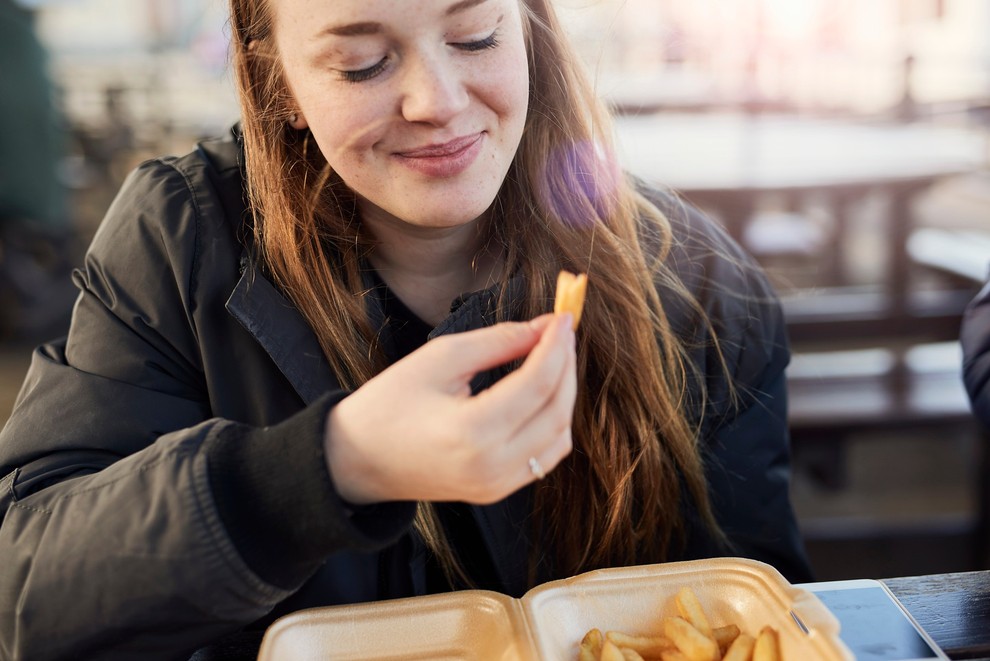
column 311, row 363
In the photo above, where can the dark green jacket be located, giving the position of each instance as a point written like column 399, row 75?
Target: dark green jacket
column 190, row 395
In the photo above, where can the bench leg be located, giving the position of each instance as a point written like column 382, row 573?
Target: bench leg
column 824, row 460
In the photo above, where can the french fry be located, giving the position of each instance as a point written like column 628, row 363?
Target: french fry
column 695, row 645
column 591, row 646
column 741, row 649
column 683, row 640
column 630, row 655
column 610, row 652
column 724, row 636
column 767, row 646
column 570, row 294
column 673, row 655
column 690, row 609
column 644, row 645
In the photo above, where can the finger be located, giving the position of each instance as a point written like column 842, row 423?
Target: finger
column 516, row 473
column 548, row 459
column 547, row 425
column 523, row 393
column 478, row 350
column 545, row 438
column 549, row 443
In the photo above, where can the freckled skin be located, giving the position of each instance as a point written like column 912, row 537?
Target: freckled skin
column 428, row 89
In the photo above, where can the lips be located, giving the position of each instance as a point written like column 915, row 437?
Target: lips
column 442, row 160
column 451, row 148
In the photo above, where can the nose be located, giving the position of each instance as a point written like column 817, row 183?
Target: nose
column 434, row 91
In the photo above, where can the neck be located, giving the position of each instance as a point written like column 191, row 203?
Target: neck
column 427, row 267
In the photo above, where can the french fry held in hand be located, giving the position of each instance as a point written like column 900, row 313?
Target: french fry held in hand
column 570, row 294
column 688, row 636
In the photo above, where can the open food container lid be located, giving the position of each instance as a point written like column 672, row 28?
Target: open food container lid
column 551, row 619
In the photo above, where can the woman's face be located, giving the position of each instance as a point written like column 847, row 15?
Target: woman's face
column 418, row 105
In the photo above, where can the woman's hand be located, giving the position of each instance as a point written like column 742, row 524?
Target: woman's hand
column 414, row 432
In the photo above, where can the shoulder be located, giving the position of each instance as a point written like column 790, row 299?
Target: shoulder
column 175, row 210
column 727, row 313
column 208, row 179
column 704, row 257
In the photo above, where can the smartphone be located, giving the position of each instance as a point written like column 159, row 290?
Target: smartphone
column 874, row 624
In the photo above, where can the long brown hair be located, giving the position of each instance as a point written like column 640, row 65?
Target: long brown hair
column 617, row 499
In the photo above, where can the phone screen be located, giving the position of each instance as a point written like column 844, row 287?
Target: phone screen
column 874, row 627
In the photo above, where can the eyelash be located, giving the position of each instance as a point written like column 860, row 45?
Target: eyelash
column 489, row 42
column 361, row 75
column 365, row 74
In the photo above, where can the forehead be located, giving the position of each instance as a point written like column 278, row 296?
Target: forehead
column 321, row 15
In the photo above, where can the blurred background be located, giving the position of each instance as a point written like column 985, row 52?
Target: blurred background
column 845, row 143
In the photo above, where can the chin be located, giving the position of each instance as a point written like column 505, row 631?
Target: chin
column 442, row 218
column 451, row 211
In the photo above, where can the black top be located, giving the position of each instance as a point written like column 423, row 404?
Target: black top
column 408, row 332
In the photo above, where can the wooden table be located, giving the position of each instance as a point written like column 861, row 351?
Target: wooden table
column 953, row 608
column 729, row 163
column 713, row 152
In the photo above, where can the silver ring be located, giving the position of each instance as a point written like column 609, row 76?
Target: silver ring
column 536, row 469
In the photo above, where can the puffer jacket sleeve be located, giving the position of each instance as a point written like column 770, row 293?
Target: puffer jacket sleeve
column 112, row 542
column 742, row 404
column 975, row 340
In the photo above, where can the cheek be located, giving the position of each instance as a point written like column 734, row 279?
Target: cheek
column 508, row 87
column 347, row 133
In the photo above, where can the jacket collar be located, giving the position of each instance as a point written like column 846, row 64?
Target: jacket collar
column 278, row 326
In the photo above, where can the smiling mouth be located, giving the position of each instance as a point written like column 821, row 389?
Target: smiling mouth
column 444, row 150
column 443, row 160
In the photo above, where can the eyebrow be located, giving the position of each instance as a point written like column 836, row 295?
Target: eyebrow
column 463, row 5
column 370, row 27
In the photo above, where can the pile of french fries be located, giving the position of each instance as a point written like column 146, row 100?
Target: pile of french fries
column 686, row 637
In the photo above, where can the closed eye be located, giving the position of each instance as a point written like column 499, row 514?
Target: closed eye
column 361, row 75
column 491, row 41
column 365, row 74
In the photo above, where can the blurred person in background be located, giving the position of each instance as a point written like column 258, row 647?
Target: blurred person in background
column 312, row 361
column 975, row 339
column 36, row 234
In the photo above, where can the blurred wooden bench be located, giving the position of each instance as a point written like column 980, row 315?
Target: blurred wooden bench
column 839, row 392
column 837, row 395
column 869, row 316
column 882, row 362
column 961, row 253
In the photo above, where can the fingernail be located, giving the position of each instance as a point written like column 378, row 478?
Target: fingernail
column 567, row 328
column 540, row 323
